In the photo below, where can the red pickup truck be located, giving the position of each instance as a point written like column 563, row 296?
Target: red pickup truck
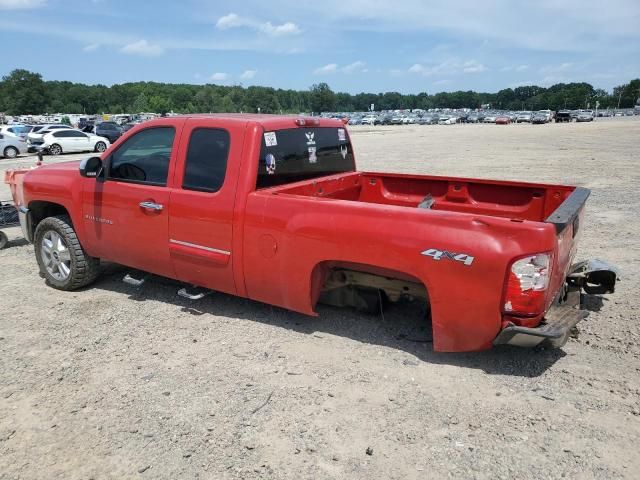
column 272, row 208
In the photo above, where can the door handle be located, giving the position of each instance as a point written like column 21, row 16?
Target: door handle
column 151, row 206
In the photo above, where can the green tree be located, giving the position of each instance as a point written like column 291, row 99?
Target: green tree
column 24, row 92
column 141, row 104
column 322, row 98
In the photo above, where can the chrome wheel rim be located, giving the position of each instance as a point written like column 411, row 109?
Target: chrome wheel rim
column 55, row 150
column 55, row 255
column 11, row 152
column 101, row 147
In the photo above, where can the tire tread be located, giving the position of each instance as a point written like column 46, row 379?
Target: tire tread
column 87, row 267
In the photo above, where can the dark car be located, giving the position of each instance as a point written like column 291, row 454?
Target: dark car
column 538, row 118
column 563, row 116
column 110, row 130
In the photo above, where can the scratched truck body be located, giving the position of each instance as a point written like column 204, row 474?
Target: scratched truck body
column 272, row 208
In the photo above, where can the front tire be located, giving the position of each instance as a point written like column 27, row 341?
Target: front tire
column 55, row 149
column 100, row 147
column 3, row 240
column 62, row 260
column 10, row 152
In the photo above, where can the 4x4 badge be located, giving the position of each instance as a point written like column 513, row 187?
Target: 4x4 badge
column 443, row 254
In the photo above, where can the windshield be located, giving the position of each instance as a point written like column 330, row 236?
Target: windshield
column 296, row 154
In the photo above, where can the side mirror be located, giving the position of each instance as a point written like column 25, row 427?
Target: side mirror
column 91, row 167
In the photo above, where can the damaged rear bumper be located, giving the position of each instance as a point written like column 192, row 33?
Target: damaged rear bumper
column 592, row 276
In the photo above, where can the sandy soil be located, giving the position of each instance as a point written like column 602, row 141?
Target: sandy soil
column 110, row 382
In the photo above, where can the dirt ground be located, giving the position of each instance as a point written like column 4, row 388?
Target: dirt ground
column 113, row 383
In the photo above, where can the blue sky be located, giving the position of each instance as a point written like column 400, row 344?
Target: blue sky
column 354, row 45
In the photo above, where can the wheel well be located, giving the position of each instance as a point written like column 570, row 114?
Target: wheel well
column 335, row 282
column 39, row 210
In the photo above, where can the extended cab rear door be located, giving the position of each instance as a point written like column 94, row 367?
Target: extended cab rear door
column 202, row 202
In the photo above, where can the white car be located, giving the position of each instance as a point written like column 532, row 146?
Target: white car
column 38, row 130
column 15, row 130
column 68, row 140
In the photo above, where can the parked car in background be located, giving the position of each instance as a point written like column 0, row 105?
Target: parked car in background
column 489, row 118
column 110, row 130
column 584, row 117
column 539, row 118
column 563, row 116
column 524, row 117
column 38, row 130
column 370, row 120
column 19, row 131
column 447, row 120
column 503, row 120
column 67, row 141
column 11, row 146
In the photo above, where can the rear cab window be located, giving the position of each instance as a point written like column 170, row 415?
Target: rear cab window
column 302, row 153
column 206, row 163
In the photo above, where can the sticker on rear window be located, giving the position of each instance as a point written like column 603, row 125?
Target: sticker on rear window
column 270, row 160
column 342, row 136
column 270, row 139
column 310, row 138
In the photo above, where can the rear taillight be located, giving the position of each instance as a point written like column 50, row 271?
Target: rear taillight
column 527, row 284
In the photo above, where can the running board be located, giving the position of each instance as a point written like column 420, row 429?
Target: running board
column 129, row 279
column 193, row 293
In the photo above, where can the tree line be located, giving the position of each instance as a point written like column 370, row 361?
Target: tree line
column 23, row 92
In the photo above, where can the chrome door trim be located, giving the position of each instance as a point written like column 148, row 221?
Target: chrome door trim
column 201, row 247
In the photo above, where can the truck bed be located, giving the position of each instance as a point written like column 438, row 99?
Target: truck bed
column 513, row 200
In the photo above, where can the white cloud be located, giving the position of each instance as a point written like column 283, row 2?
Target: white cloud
column 90, row 48
column 219, row 77
column 330, row 68
column 21, row 4
column 248, row 74
column 448, row 67
column 233, row 20
column 142, row 48
column 287, row 28
column 355, row 67
column 327, row 69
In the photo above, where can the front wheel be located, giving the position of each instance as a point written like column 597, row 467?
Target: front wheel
column 101, row 147
column 55, row 149
column 62, row 260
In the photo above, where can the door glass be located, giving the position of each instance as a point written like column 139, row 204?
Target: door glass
column 206, row 160
column 144, row 158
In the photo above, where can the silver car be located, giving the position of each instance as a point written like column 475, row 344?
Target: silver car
column 11, row 146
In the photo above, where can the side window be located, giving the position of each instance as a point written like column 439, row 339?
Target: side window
column 144, row 158
column 206, row 164
column 61, row 133
column 75, row 133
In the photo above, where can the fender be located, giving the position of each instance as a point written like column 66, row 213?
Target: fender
column 54, row 190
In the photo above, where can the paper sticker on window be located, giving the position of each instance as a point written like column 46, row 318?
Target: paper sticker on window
column 270, row 139
column 342, row 136
column 312, row 155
